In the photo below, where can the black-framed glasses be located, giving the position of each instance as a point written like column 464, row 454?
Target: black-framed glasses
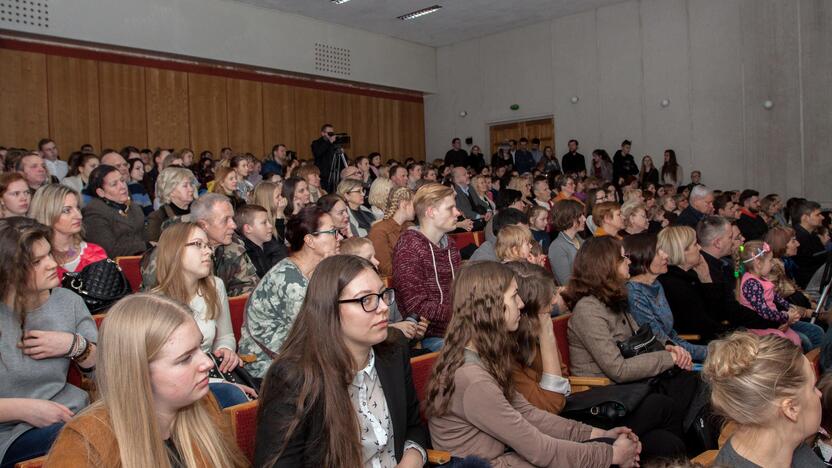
column 332, row 231
column 370, row 302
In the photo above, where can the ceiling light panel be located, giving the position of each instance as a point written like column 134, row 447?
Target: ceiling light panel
column 418, row 13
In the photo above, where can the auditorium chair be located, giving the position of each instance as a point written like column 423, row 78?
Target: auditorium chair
column 578, row 383
column 243, row 419
column 814, row 359
column 33, row 463
column 237, row 306
column 464, row 239
column 132, row 268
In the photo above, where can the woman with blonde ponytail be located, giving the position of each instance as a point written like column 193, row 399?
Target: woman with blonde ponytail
column 398, row 216
column 767, row 387
column 155, row 408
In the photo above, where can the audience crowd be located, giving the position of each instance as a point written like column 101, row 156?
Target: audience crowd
column 701, row 301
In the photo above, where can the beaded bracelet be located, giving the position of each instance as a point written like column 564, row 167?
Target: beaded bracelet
column 71, row 346
column 85, row 353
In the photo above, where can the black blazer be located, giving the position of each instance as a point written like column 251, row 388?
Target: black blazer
column 305, row 448
column 698, row 308
column 119, row 235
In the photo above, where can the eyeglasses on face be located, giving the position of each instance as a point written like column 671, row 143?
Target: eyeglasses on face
column 370, row 302
column 332, row 231
column 198, row 244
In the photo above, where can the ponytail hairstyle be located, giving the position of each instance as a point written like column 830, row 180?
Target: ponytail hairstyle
column 135, row 331
column 749, row 374
column 478, row 318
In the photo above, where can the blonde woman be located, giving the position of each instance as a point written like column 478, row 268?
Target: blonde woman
column 59, row 207
column 379, row 191
column 522, row 185
column 767, row 387
column 398, row 216
column 361, row 218
column 269, row 195
column 151, row 352
column 175, row 190
column 225, row 183
column 634, row 214
column 514, row 244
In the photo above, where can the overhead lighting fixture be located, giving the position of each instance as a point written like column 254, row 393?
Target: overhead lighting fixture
column 418, row 13
column 338, row 2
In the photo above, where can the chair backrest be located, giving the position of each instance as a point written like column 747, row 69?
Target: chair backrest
column 237, row 306
column 132, row 269
column 33, row 463
column 559, row 325
column 421, row 370
column 244, row 424
column 463, row 239
column 814, row 359
column 479, row 237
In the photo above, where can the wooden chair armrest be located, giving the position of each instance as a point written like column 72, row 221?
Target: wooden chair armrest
column 589, row 381
column 32, row 463
column 691, row 337
column 438, row 457
column 248, row 358
column 706, row 458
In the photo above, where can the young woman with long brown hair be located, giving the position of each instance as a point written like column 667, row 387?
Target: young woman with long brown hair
column 472, row 404
column 155, row 407
column 340, row 394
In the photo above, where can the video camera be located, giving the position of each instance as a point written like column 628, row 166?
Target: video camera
column 341, row 139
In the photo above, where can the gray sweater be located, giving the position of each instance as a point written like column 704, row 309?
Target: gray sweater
column 45, row 379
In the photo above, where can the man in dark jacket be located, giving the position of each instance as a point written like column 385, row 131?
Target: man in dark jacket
column 701, row 205
column 573, row 162
column 810, row 255
column 456, row 156
column 623, row 164
column 328, row 159
column 751, row 224
column 523, row 158
column 257, row 234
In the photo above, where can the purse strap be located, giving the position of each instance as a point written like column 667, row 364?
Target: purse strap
column 629, row 324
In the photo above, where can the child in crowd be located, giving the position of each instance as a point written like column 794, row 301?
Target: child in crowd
column 257, row 232
column 538, row 222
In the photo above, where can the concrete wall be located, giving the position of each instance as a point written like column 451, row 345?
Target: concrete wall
column 716, row 61
column 236, row 32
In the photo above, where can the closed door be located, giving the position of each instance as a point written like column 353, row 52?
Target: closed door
column 542, row 129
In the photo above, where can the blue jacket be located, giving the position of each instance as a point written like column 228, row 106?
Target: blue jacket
column 648, row 305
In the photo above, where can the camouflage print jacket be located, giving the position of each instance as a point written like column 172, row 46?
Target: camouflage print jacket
column 270, row 313
column 231, row 265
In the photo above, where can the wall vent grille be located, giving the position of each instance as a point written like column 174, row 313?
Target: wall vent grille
column 34, row 13
column 331, row 59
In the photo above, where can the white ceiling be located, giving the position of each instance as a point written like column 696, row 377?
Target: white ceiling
column 457, row 21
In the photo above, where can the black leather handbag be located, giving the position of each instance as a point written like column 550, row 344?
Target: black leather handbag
column 238, row 376
column 607, row 404
column 99, row 284
column 643, row 341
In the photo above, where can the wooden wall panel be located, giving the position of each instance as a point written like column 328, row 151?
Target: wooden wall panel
column 412, row 130
column 168, row 119
column 279, row 116
column 123, row 105
column 245, row 116
column 24, row 114
column 73, row 103
column 390, row 123
column 365, row 129
column 207, row 103
column 310, row 114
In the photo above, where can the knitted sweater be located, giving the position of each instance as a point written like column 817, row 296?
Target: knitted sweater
column 422, row 276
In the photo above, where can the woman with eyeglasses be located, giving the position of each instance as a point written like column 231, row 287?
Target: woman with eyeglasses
column 184, row 270
column 361, row 218
column 341, row 393
column 275, row 303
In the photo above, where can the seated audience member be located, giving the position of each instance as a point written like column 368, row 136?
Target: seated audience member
column 472, row 405
column 607, row 216
column 514, row 244
column 538, row 223
column 751, row 224
column 312, row 175
column 425, row 262
column 110, row 157
column 225, row 183
column 49, row 152
column 481, row 193
column 569, row 220
column 341, row 393
column 273, row 306
column 150, row 350
column 110, row 220
column 538, row 367
column 504, row 217
column 33, row 169
column 770, row 207
column 784, row 247
column 135, row 186
column 363, row 247
column 634, row 214
column 756, row 292
column 465, row 199
column 361, row 218
column 14, row 195
column 184, row 274
column 645, row 294
column 57, row 206
column 269, row 195
column 257, row 233
column 204, row 170
column 524, row 186
column 384, row 235
column 506, row 198
column 335, row 205
column 296, row 192
column 79, row 173
column 542, row 193
column 379, row 191
column 215, row 216
column 367, row 174
column 767, row 388
column 175, row 191
column 597, row 296
column 671, row 170
column 242, row 166
column 806, row 219
column 414, row 173
column 566, row 188
column 700, row 204
column 45, row 329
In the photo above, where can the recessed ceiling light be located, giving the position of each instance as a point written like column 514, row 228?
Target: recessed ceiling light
column 418, row 13
column 338, row 2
